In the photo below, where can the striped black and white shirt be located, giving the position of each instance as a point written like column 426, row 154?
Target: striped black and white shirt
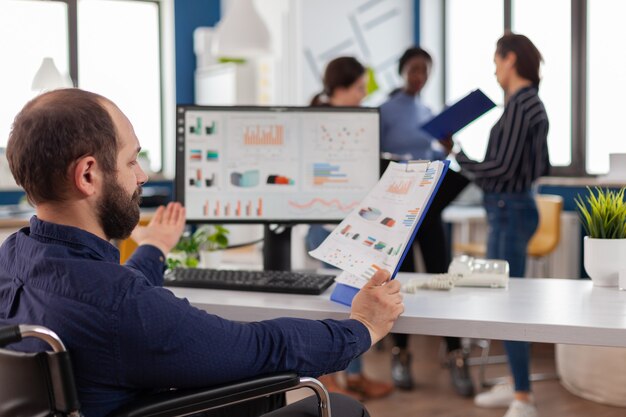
column 517, row 152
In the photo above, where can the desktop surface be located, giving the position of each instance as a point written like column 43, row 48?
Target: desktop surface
column 540, row 310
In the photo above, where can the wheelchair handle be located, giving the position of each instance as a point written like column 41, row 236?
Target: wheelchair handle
column 14, row 334
column 10, row 334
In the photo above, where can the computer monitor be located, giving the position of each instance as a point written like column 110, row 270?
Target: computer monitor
column 272, row 165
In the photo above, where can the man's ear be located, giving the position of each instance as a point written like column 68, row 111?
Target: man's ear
column 86, row 176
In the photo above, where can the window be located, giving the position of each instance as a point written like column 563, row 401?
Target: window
column 120, row 60
column 606, row 83
column 30, row 31
column 118, row 50
column 469, row 63
column 531, row 18
column 582, row 73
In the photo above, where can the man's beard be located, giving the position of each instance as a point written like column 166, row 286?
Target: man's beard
column 117, row 211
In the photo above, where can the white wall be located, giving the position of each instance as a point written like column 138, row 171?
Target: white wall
column 306, row 34
column 431, row 39
column 376, row 33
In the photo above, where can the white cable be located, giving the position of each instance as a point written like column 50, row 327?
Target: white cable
column 442, row 282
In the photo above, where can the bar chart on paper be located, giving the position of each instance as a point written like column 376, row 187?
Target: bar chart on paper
column 400, row 187
column 370, row 238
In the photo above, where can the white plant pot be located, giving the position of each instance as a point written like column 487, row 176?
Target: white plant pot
column 604, row 258
column 210, row 259
column 177, row 256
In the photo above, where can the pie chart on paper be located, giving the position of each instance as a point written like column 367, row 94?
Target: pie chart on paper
column 370, row 213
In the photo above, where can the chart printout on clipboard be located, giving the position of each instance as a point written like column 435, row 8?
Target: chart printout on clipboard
column 379, row 232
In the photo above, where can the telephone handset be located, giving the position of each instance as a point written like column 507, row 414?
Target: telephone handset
column 466, row 271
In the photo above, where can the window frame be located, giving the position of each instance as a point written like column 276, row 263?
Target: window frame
column 577, row 166
column 166, row 83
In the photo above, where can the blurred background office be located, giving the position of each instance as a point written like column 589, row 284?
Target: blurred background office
column 141, row 53
column 149, row 55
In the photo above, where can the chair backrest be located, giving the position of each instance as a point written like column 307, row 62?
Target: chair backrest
column 126, row 248
column 128, row 245
column 548, row 233
column 35, row 384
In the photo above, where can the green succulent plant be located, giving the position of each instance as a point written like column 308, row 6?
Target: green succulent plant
column 209, row 238
column 603, row 213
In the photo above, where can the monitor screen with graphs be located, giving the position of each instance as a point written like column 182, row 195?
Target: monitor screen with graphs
column 274, row 164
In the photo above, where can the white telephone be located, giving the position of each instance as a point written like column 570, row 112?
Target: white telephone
column 473, row 272
column 466, row 271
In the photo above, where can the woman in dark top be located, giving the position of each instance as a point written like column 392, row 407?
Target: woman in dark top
column 516, row 155
column 345, row 84
column 401, row 118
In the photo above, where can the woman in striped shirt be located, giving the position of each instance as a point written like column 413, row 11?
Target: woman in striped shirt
column 517, row 154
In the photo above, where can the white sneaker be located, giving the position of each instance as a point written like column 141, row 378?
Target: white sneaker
column 521, row 409
column 500, row 395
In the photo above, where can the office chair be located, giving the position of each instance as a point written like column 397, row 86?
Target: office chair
column 548, row 234
column 128, row 245
column 126, row 248
column 42, row 384
column 545, row 239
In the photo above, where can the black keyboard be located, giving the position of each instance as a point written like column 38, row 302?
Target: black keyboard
column 243, row 280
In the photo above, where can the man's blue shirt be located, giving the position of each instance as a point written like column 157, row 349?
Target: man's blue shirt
column 128, row 335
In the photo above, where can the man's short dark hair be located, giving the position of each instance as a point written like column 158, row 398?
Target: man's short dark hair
column 51, row 133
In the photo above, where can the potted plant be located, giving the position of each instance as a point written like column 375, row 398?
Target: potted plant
column 603, row 216
column 211, row 240
column 200, row 248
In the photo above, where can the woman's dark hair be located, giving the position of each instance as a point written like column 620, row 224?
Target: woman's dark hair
column 340, row 72
column 51, row 133
column 411, row 53
column 528, row 56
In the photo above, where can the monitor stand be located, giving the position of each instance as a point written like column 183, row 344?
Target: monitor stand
column 277, row 248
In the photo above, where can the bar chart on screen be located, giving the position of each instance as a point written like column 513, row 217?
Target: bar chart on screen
column 304, row 164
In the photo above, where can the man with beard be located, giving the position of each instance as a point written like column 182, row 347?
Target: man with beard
column 75, row 154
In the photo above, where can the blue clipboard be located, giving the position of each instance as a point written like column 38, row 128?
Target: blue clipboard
column 459, row 115
column 344, row 294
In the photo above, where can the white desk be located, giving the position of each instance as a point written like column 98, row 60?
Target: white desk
column 539, row 310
